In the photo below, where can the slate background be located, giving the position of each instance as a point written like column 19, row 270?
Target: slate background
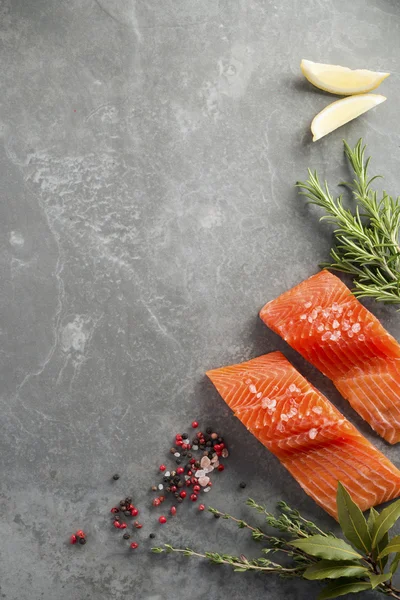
column 148, row 156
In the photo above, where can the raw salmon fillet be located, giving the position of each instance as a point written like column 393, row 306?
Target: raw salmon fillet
column 326, row 324
column 311, row 438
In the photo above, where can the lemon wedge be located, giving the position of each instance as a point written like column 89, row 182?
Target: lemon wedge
column 341, row 112
column 341, row 80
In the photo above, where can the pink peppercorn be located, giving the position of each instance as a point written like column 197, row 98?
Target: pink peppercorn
column 162, row 520
column 173, row 510
column 183, row 494
column 221, row 467
column 201, row 507
column 134, row 512
column 162, row 467
column 195, row 424
column 73, row 539
column 193, row 497
column 134, row 545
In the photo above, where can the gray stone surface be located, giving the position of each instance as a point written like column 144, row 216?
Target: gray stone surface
column 148, row 155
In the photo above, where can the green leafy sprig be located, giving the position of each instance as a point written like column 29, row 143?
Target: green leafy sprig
column 366, row 238
column 366, row 561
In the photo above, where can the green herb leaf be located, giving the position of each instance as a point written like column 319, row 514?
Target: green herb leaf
column 342, row 587
column 385, row 521
column 377, row 579
column 392, row 546
column 371, row 519
column 352, row 521
column 395, row 563
column 334, row 569
column 326, row 547
column 379, row 547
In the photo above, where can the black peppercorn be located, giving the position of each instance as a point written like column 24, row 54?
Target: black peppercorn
column 128, row 500
column 166, row 479
column 82, row 541
column 176, row 494
column 154, row 488
column 116, row 477
column 180, row 484
column 152, row 536
column 173, row 450
column 216, row 515
column 117, row 518
column 242, row 484
column 126, row 536
column 178, row 461
column 208, row 444
column 122, row 503
column 180, row 500
column 201, row 446
column 209, row 430
column 127, row 513
column 189, row 455
column 168, row 489
column 185, row 436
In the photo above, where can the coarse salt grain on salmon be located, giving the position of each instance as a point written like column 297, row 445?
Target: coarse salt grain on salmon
column 325, row 323
column 311, row 438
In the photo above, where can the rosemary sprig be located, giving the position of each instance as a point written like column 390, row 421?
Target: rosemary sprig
column 367, row 238
column 314, row 554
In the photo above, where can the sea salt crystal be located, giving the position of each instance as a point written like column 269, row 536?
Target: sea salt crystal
column 215, row 458
column 317, row 410
column 160, row 486
column 200, row 473
column 327, row 336
column 350, row 333
column 335, row 306
column 284, row 417
column 167, row 474
column 268, row 403
column 292, row 412
column 310, row 319
column 177, row 455
column 345, row 325
column 248, row 381
column 314, row 314
column 206, row 489
column 280, row 427
column 361, row 337
column 253, row 389
column 336, row 335
column 194, row 447
column 307, row 304
column 303, row 317
column 203, row 481
column 356, row 327
column 312, row 433
column 259, row 394
column 292, row 387
column 320, row 327
column 205, row 462
column 349, row 312
column 335, row 324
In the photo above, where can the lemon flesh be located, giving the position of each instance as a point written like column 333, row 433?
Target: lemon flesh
column 341, row 80
column 342, row 111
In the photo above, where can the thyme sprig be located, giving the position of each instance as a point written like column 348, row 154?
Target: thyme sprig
column 358, row 564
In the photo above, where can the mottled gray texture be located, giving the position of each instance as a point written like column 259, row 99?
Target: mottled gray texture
column 148, row 155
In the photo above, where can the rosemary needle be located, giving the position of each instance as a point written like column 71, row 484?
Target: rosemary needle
column 366, row 239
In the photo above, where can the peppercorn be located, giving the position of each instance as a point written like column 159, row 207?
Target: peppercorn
column 183, row 494
column 127, row 513
column 114, row 510
column 185, row 436
column 123, row 526
column 128, row 500
column 242, row 484
column 201, row 507
column 184, row 453
column 216, row 515
column 180, row 500
column 137, row 525
column 152, row 536
column 180, row 470
column 208, row 444
column 166, row 479
column 162, row 520
column 221, row 468
column 134, row 512
column 82, row 541
column 134, row 545
column 180, row 484
column 209, row 430
column 197, row 464
column 154, row 488
column 126, row 536
column 173, row 473
column 172, row 510
column 117, row 525
column 193, row 497
column 176, row 494
column 162, row 467
column 116, row 477
column 178, row 461
column 117, row 518
column 173, row 450
column 189, row 455
column 214, row 436
column 122, row 503
column 168, row 489
column 173, row 489
column 220, row 440
column 73, row 539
